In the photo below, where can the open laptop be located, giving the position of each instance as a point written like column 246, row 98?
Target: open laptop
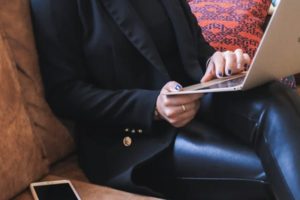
column 278, row 54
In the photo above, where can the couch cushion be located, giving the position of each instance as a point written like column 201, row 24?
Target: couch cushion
column 15, row 17
column 89, row 191
column 69, row 168
column 21, row 155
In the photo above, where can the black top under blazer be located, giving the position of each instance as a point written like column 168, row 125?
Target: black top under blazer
column 101, row 69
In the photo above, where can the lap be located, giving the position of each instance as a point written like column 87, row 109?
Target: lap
column 217, row 144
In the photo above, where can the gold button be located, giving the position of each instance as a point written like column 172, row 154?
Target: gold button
column 126, row 129
column 140, row 131
column 127, row 141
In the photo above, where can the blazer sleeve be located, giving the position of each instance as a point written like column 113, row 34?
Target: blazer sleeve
column 205, row 51
column 59, row 39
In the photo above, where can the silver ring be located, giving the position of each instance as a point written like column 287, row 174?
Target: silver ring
column 183, row 108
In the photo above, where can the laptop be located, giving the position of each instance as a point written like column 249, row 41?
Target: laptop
column 278, row 55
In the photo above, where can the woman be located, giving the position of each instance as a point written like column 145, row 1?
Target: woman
column 107, row 64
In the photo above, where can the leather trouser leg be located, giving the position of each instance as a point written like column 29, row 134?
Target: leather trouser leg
column 268, row 119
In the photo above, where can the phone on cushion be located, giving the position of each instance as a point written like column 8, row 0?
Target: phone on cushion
column 54, row 190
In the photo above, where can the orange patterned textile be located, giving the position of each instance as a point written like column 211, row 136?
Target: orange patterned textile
column 231, row 24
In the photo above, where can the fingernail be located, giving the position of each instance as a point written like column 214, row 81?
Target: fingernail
column 178, row 87
column 229, row 71
column 220, row 74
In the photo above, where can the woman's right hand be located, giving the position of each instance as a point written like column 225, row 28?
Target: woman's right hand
column 178, row 110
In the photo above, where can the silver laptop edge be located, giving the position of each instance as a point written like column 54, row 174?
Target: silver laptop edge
column 282, row 33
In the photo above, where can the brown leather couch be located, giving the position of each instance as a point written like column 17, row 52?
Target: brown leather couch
column 34, row 144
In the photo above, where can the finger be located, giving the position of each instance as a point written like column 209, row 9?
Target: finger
column 247, row 61
column 210, row 72
column 182, row 119
column 219, row 63
column 187, row 117
column 175, row 111
column 187, row 113
column 239, row 59
column 230, row 63
column 184, row 108
column 171, row 87
column 197, row 106
column 178, row 100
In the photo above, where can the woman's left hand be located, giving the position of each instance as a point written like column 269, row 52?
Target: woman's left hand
column 225, row 64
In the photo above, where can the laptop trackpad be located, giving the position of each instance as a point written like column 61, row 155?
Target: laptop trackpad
column 226, row 84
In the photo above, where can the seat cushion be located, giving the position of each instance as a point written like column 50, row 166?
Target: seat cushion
column 89, row 191
column 16, row 20
column 69, row 168
column 21, row 155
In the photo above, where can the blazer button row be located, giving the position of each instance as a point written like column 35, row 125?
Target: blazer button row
column 127, row 141
column 127, row 130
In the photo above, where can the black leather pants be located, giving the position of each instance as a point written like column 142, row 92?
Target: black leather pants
column 267, row 119
column 264, row 121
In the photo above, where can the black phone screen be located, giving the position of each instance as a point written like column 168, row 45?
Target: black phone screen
column 55, row 192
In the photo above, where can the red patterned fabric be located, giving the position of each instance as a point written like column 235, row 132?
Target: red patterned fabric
column 231, row 24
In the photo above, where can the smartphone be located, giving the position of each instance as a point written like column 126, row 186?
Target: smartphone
column 54, row 190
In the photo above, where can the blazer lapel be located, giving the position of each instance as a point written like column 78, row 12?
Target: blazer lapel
column 131, row 25
column 185, row 39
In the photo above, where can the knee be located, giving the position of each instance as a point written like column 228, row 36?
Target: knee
column 280, row 99
column 281, row 113
column 274, row 110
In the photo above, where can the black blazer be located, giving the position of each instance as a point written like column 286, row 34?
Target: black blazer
column 101, row 69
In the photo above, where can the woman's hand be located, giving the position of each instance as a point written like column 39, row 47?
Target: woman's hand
column 225, row 64
column 178, row 110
